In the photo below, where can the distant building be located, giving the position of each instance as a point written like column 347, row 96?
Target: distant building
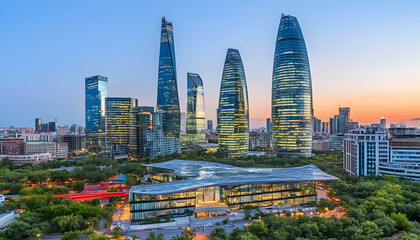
column 75, row 142
column 196, row 122
column 260, row 140
column 29, row 158
column 320, row 145
column 341, row 123
column 146, row 134
column 96, row 90
column 39, row 137
column 117, row 122
column 268, row 124
column 12, row 146
column 38, row 123
column 233, row 109
column 364, row 149
column 336, row 142
column 325, row 127
column 57, row 150
column 383, row 123
column 210, row 125
column 317, row 125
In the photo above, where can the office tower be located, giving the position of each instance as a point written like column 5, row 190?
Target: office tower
column 196, row 122
column 38, row 123
column 233, row 111
column 167, row 96
column 316, row 123
column 96, row 90
column 268, row 124
column 383, row 122
column 146, row 136
column 210, row 125
column 292, row 109
column 12, row 146
column 344, row 119
column 117, row 115
column 325, row 127
column 183, row 123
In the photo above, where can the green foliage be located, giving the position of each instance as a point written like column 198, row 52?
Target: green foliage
column 152, row 236
column 117, row 232
column 79, row 186
column 401, row 221
column 219, row 234
column 187, row 234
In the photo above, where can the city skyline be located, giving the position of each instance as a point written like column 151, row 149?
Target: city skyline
column 337, row 77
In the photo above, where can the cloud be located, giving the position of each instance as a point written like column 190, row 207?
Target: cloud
column 415, row 119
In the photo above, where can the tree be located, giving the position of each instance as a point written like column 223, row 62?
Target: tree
column 69, row 223
column 116, row 232
column 187, row 234
column 219, row 234
column 79, row 186
column 401, row 221
column 258, row 228
column 73, row 235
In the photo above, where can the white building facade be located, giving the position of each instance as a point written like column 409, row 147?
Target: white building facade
column 57, row 150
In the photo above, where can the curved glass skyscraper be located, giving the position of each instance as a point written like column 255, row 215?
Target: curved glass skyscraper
column 291, row 92
column 167, row 96
column 233, row 111
column 196, row 123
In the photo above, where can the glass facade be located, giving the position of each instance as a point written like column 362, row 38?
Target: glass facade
column 233, row 111
column 167, row 96
column 235, row 197
column 117, row 114
column 160, row 206
column 196, row 123
column 96, row 90
column 292, row 109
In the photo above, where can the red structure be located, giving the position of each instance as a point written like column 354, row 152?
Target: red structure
column 12, row 146
column 81, row 197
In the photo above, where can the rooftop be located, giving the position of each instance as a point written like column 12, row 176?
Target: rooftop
column 203, row 174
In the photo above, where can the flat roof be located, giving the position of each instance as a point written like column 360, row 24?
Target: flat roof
column 204, row 174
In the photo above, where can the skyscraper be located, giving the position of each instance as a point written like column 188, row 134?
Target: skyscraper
column 146, row 138
column 96, row 90
column 383, row 122
column 233, row 111
column 196, row 122
column 38, row 123
column 167, row 96
column 117, row 115
column 292, row 109
column 268, row 124
column 210, row 125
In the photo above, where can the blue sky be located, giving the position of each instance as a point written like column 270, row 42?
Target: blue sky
column 363, row 54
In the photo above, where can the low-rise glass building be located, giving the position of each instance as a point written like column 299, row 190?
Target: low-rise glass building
column 180, row 187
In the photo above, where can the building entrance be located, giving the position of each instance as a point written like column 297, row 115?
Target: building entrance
column 208, row 194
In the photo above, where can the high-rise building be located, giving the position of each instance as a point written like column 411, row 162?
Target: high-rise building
column 292, row 109
column 96, row 90
column 167, row 96
column 38, row 123
column 316, row 124
column 210, row 125
column 383, row 122
column 117, row 115
column 183, row 123
column 146, row 137
column 325, row 127
column 233, row 111
column 364, row 149
column 196, row 122
column 268, row 124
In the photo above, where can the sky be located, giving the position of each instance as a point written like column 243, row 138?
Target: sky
column 363, row 54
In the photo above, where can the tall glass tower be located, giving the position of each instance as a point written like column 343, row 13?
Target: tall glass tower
column 233, row 111
column 196, row 123
column 291, row 92
column 167, row 96
column 117, row 122
column 96, row 90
